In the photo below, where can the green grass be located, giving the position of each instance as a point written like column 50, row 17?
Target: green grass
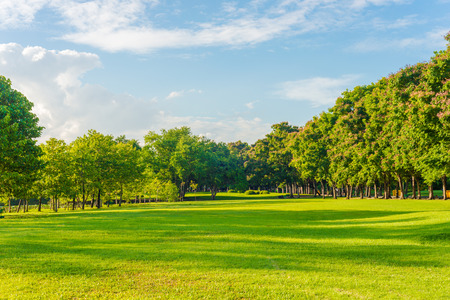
column 248, row 248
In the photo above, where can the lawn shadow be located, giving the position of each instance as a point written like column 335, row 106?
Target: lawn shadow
column 230, row 239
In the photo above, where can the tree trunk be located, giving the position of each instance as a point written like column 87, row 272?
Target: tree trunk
column 9, row 205
column 316, row 192
column 40, row 203
column 98, row 199
column 213, row 193
column 73, row 204
column 93, row 200
column 444, row 187
column 84, row 198
column 55, row 204
column 323, row 189
column 401, row 188
column 387, row 185
column 413, row 186
column 361, row 192
column 430, row 192
column 18, row 207
column 182, row 191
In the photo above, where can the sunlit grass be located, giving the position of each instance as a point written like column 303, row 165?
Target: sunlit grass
column 248, row 247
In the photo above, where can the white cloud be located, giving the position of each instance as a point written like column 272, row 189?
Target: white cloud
column 119, row 25
column 397, row 24
column 318, row 90
column 19, row 13
column 430, row 40
column 230, row 129
column 178, row 94
column 175, row 94
column 68, row 108
column 96, row 25
column 251, row 105
column 359, row 4
column 244, row 31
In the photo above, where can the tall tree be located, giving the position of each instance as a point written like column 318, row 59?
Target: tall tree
column 57, row 171
column 19, row 154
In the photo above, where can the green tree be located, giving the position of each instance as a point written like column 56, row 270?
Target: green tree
column 56, row 174
column 19, row 154
column 172, row 156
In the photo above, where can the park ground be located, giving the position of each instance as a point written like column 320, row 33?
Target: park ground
column 241, row 247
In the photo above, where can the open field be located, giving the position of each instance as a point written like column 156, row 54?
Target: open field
column 248, row 248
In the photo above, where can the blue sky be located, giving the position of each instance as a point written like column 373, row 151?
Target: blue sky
column 227, row 69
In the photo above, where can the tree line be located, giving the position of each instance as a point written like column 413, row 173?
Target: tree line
column 382, row 139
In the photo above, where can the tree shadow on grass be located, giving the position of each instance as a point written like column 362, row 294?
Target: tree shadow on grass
column 229, row 239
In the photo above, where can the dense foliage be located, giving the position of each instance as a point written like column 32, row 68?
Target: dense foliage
column 19, row 154
column 377, row 140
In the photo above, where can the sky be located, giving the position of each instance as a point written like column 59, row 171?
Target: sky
column 226, row 69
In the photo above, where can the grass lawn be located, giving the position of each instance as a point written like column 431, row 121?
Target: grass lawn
column 244, row 248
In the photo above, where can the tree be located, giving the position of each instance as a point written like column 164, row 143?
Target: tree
column 126, row 166
column 56, row 173
column 19, row 154
column 172, row 156
column 310, row 148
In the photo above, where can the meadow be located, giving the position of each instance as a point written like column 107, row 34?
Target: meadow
column 241, row 247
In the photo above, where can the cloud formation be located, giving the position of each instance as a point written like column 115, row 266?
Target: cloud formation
column 431, row 40
column 17, row 13
column 118, row 25
column 178, row 94
column 318, row 90
column 68, row 108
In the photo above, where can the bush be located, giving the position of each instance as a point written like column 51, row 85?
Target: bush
column 264, row 192
column 232, row 191
column 251, row 192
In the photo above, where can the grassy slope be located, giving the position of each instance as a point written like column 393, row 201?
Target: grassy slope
column 250, row 248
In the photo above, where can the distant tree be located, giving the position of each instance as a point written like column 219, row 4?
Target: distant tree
column 173, row 156
column 310, row 148
column 56, row 174
column 126, row 166
column 270, row 159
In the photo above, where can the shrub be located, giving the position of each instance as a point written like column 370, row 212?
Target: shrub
column 264, row 192
column 232, row 191
column 251, row 192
